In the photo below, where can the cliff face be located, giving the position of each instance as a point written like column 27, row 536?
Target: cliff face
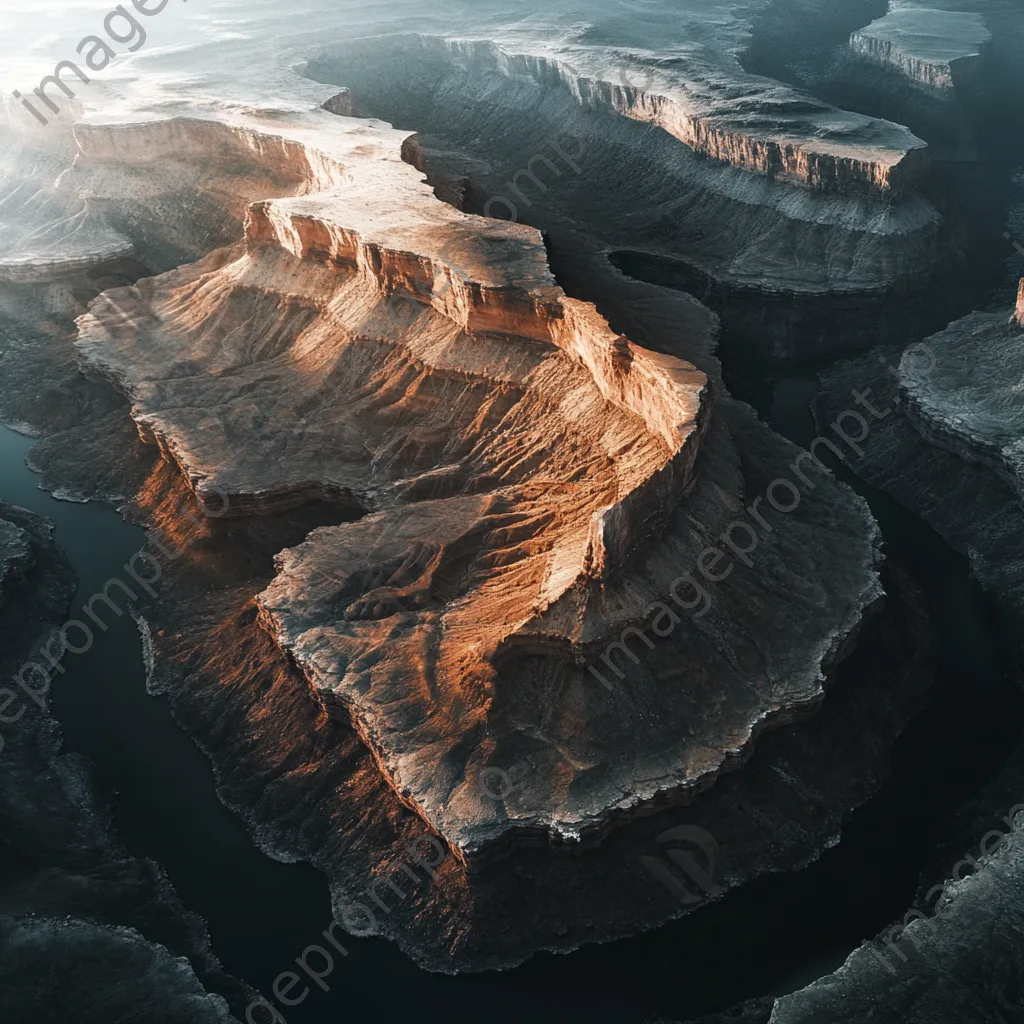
column 950, row 452
column 300, row 774
column 539, row 484
column 718, row 111
column 526, row 467
column 970, row 401
column 935, row 50
column 546, row 138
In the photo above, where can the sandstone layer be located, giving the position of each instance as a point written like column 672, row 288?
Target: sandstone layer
column 527, row 471
column 311, row 790
column 533, row 472
column 699, row 94
column 521, row 137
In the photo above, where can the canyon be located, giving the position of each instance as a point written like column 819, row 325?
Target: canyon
column 423, row 358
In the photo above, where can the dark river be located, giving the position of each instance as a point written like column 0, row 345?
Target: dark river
column 774, row 936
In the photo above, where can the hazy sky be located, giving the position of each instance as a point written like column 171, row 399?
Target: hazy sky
column 36, row 34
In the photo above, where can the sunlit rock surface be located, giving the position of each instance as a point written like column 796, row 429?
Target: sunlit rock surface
column 821, row 556
column 537, row 138
column 529, row 472
column 300, row 775
column 533, row 472
column 697, row 92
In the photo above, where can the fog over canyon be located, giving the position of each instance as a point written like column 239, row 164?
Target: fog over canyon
column 482, row 482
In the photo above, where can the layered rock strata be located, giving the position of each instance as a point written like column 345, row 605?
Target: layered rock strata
column 301, row 776
column 527, row 469
column 934, row 49
column 559, row 530
column 774, row 258
column 966, row 397
column 702, row 98
column 947, row 450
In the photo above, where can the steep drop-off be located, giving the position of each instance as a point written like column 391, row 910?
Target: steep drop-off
column 528, row 470
column 533, row 482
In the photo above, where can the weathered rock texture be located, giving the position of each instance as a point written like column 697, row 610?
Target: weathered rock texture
column 961, row 958
column 935, row 50
column 949, row 452
column 528, row 471
column 819, row 558
column 532, row 480
column 964, row 392
column 957, row 955
column 703, row 99
column 541, row 138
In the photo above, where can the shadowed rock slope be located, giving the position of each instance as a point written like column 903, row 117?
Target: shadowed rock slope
column 537, row 478
column 530, row 476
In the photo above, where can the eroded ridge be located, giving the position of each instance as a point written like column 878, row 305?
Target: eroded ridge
column 935, row 50
column 529, row 480
column 367, row 343
column 697, row 93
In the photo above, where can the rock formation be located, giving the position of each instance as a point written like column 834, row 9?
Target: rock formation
column 527, row 470
column 936, row 50
column 774, row 229
column 318, row 306
column 949, row 450
column 474, row 539
column 965, row 397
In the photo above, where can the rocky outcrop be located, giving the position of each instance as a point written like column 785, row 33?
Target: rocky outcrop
column 820, row 554
column 534, row 474
column 106, row 973
column 955, row 955
column 948, row 453
column 773, row 257
column 959, row 958
column 706, row 102
column 963, row 392
column 529, row 473
column 300, row 774
column 934, row 49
